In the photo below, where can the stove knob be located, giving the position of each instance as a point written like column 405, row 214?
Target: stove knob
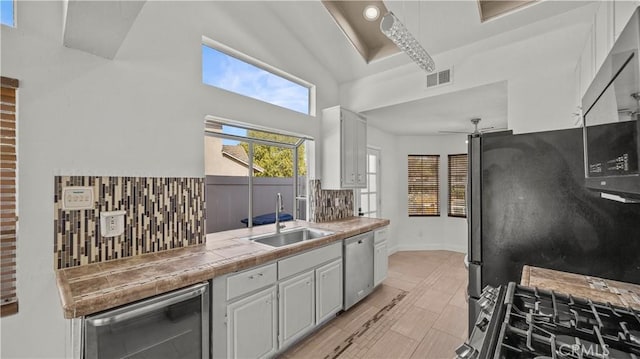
column 486, row 304
column 466, row 351
column 489, row 289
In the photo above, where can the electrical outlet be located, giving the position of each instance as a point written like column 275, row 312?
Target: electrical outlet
column 112, row 223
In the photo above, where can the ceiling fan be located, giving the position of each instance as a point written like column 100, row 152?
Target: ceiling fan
column 476, row 130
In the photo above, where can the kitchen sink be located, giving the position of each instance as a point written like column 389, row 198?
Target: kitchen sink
column 291, row 236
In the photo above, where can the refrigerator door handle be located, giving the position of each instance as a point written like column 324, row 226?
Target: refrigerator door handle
column 474, row 216
column 475, row 279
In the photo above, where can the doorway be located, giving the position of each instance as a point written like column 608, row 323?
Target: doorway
column 369, row 198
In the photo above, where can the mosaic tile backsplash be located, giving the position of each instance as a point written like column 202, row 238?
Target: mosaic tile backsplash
column 323, row 203
column 161, row 214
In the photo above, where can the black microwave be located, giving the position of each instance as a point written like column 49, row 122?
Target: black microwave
column 611, row 119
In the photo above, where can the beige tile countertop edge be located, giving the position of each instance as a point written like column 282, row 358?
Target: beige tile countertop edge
column 96, row 287
column 589, row 287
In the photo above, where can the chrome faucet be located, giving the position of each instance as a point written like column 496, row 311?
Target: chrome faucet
column 279, row 207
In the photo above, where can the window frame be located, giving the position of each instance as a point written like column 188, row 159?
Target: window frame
column 299, row 199
column 425, row 184
column 229, row 51
column 9, row 224
column 450, row 183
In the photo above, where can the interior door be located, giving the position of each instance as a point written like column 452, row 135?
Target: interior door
column 369, row 199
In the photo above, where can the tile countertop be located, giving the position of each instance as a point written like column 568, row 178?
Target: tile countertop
column 597, row 289
column 96, row 287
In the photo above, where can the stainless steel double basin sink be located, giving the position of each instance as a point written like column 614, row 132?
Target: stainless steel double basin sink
column 291, row 236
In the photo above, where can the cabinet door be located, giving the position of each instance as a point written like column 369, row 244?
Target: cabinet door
column 586, row 65
column 349, row 139
column 380, row 263
column 252, row 330
column 623, row 9
column 361, row 153
column 328, row 290
column 603, row 33
column 297, row 307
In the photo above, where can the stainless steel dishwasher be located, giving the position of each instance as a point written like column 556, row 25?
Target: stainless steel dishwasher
column 172, row 325
column 358, row 268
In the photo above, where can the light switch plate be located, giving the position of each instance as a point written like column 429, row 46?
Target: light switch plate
column 77, row 198
column 112, row 223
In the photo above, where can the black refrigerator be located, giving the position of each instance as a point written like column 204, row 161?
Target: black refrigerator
column 527, row 204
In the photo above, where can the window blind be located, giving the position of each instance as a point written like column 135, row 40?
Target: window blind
column 457, row 185
column 8, row 195
column 424, row 185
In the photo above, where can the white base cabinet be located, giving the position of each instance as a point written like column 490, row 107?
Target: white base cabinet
column 251, row 326
column 380, row 256
column 297, row 307
column 261, row 311
column 328, row 291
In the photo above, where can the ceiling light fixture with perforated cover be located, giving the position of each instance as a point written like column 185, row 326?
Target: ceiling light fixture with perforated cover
column 398, row 33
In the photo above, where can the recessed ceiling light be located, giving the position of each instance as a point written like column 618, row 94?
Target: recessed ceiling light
column 371, row 13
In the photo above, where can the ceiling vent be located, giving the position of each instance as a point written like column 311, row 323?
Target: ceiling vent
column 439, row 78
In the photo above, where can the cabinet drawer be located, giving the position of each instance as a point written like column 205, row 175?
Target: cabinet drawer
column 308, row 260
column 381, row 235
column 250, row 280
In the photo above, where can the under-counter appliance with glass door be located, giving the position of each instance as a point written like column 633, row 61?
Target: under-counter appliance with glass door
column 172, row 325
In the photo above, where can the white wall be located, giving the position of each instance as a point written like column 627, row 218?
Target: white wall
column 140, row 114
column 539, row 71
column 424, row 233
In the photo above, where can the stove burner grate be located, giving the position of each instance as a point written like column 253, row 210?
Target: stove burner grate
column 540, row 323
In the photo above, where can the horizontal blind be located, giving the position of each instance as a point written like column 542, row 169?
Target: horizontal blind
column 424, row 185
column 457, row 185
column 8, row 194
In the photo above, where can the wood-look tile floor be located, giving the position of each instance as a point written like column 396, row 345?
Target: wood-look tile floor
column 419, row 311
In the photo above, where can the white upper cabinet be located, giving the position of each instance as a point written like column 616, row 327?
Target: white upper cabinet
column 608, row 22
column 603, row 33
column 622, row 11
column 344, row 148
column 586, row 64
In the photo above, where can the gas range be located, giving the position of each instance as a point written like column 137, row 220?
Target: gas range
column 521, row 322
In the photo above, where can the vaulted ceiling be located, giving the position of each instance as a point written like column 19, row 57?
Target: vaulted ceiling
column 439, row 26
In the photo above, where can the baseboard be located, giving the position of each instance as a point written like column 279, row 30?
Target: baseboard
column 392, row 250
column 431, row 247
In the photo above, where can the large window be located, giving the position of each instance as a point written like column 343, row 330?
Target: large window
column 245, row 168
column 457, row 185
column 423, row 185
column 7, row 13
column 230, row 70
column 8, row 195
